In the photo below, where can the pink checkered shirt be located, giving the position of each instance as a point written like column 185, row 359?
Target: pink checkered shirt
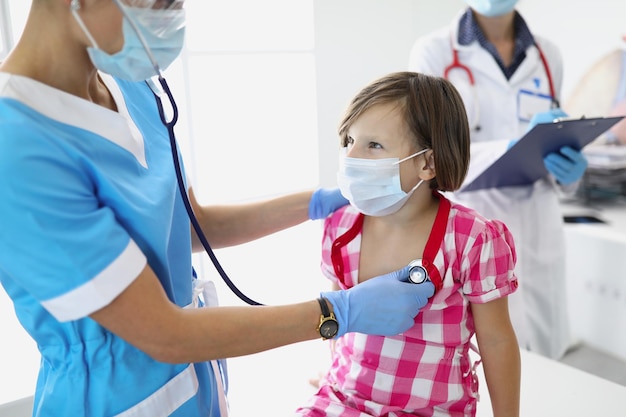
column 425, row 371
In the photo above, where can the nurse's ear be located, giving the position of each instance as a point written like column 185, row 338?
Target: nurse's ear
column 428, row 171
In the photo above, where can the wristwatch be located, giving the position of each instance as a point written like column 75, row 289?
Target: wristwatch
column 329, row 326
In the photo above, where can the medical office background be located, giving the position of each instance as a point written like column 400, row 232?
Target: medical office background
column 261, row 86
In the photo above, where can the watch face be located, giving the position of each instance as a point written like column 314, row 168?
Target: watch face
column 329, row 329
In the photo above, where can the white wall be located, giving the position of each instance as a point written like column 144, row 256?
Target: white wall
column 584, row 30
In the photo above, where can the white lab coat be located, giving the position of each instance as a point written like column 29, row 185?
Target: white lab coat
column 538, row 308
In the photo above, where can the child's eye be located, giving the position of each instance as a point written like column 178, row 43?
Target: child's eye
column 375, row 145
column 349, row 141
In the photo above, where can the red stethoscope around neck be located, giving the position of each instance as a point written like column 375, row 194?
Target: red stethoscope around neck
column 458, row 65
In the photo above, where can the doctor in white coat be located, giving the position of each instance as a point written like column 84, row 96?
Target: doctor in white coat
column 506, row 75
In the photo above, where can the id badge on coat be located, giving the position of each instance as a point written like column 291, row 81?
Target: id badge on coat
column 530, row 102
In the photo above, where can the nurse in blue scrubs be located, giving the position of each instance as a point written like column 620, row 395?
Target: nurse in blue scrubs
column 95, row 243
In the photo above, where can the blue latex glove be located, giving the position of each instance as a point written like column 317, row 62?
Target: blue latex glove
column 384, row 305
column 324, row 201
column 511, row 143
column 567, row 165
column 545, row 117
column 541, row 117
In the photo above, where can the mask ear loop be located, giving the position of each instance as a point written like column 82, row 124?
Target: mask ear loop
column 74, row 8
column 412, row 156
column 416, row 186
column 409, row 157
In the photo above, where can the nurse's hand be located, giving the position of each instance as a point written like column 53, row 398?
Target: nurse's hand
column 545, row 117
column 567, row 166
column 383, row 305
column 324, row 201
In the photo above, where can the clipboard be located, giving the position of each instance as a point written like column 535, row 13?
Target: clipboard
column 523, row 163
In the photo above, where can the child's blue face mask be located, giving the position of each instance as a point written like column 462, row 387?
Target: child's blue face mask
column 373, row 185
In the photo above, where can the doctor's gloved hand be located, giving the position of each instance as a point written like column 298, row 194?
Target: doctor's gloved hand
column 567, row 166
column 384, row 305
column 545, row 117
column 324, row 201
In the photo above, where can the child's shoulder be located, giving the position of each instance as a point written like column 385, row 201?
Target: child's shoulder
column 342, row 218
column 346, row 212
column 463, row 212
column 470, row 220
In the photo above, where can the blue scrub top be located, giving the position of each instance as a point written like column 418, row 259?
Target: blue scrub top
column 89, row 196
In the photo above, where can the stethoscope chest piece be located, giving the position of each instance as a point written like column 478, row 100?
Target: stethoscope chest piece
column 417, row 272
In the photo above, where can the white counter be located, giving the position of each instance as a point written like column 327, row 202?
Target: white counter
column 552, row 389
column 549, row 389
column 596, row 271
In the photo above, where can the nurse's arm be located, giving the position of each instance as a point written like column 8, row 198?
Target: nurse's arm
column 500, row 355
column 228, row 225
column 143, row 316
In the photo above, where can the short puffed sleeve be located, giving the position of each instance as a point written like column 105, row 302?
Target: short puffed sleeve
column 487, row 271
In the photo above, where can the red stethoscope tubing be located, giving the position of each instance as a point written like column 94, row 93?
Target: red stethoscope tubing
column 555, row 101
column 457, row 64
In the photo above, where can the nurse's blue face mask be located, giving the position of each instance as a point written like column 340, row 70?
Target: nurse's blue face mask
column 154, row 35
column 492, row 8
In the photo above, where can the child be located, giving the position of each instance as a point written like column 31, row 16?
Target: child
column 405, row 138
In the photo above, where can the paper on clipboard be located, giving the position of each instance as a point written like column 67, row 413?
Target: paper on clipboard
column 523, row 163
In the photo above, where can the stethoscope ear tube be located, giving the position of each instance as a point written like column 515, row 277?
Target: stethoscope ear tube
column 181, row 187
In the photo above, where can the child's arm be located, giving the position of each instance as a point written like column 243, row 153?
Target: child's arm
column 500, row 355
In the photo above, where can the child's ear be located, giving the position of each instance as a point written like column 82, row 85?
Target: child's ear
column 428, row 170
column 430, row 157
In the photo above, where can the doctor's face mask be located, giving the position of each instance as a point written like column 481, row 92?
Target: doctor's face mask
column 154, row 35
column 492, row 8
column 373, row 185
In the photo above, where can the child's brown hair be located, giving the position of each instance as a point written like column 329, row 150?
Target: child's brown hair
column 435, row 114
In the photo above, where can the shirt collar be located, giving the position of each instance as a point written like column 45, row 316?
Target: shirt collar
column 469, row 31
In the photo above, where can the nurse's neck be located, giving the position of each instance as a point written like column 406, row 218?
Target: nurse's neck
column 497, row 29
column 99, row 94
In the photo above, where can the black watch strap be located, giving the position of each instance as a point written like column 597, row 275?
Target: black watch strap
column 328, row 326
column 324, row 307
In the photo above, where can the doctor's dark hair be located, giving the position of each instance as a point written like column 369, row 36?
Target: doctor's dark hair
column 434, row 113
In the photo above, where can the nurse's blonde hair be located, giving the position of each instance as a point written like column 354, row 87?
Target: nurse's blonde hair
column 435, row 115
